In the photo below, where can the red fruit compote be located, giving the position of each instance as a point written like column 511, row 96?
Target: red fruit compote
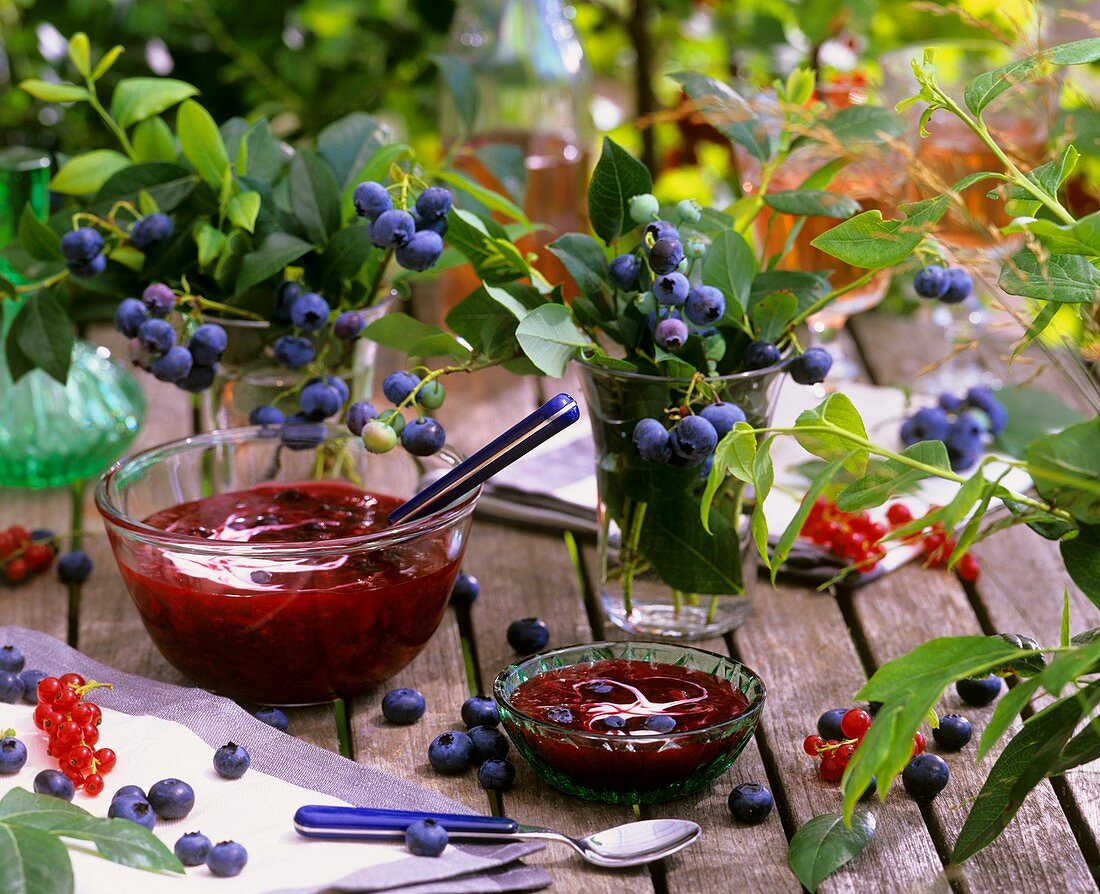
column 630, row 729
column 263, row 611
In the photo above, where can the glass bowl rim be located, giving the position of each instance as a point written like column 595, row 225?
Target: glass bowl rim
column 410, row 530
column 755, row 706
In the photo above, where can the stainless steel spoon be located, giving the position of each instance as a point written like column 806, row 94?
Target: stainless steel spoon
column 627, row 845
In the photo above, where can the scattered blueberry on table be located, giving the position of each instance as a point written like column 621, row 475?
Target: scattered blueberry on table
column 450, row 752
column 425, row 838
column 11, row 659
column 13, row 753
column 487, row 742
column 54, row 783
column 132, row 808
column 750, row 803
column 192, row 848
column 171, row 798
column 273, row 717
column 480, row 710
column 925, row 776
column 226, row 859
column 403, row 706
column 953, row 732
column 496, row 774
column 528, row 635
column 979, row 691
column 129, row 791
column 231, row 761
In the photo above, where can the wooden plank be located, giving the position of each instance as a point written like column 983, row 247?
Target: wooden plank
column 1037, row 852
column 798, row 642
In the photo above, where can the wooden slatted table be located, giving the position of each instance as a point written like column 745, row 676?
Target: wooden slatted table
column 813, row 650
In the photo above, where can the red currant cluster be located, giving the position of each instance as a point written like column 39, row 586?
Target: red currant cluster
column 935, row 543
column 73, row 727
column 835, row 754
column 23, row 554
column 850, row 535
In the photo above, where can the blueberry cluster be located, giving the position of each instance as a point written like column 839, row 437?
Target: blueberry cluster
column 167, row 799
column 962, row 423
column 422, row 436
column 155, row 345
column 951, row 285
column 83, row 252
column 416, row 235
column 13, row 753
column 691, row 440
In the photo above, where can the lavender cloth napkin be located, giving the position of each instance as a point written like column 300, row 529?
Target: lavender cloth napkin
column 477, row 869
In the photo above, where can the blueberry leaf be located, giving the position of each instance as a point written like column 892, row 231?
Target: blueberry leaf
column 1032, row 413
column 50, row 92
column 277, row 251
column 404, row 333
column 1081, row 555
column 40, row 240
column 201, row 143
column 550, row 338
column 892, row 477
column 585, row 260
column 488, row 198
column 825, row 843
column 790, row 533
column 484, row 243
column 153, row 141
column 730, row 266
column 987, row 86
column 345, row 253
column 1066, row 470
column 869, row 241
column 135, row 99
column 812, row 203
column 349, row 144
column 618, row 177
column 728, row 112
column 459, row 78
column 1049, row 177
column 314, row 196
column 42, row 334
column 33, row 862
column 86, row 173
column 771, row 315
column 1008, row 708
column 836, row 411
column 1060, row 278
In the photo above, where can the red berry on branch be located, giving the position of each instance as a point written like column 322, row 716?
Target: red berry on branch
column 812, row 745
column 90, row 733
column 16, row 570
column 968, row 568
column 105, row 760
column 918, row 744
column 844, row 754
column 855, row 723
column 48, row 687
column 73, row 680
column 93, row 784
column 898, row 514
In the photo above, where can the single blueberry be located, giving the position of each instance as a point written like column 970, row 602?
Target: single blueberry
column 199, row 379
column 403, row 706
column 949, row 402
column 74, row 567
column 431, row 395
column 828, row 724
column 134, row 809
column 266, row 415
column 310, row 312
column 723, row 417
column 11, row 657
column 208, row 343
column 434, row 202
column 979, row 691
column 273, row 717
column 953, row 732
column 761, row 355
column 174, row 365
column 480, row 710
column 623, row 271
column 420, row 251
column 158, row 299
column 929, row 424
column 930, row 281
column 129, row 791
column 13, row 755
column 465, row 590
column 191, row 849
column 750, row 803
column 659, row 723
column 286, row 294
column 11, row 687
column 336, row 382
column 665, row 256
column 226, row 859
column 397, row 386
column 488, row 742
column 80, row 246
column 293, row 351
column 349, row 325
column 559, row 714
column 671, row 334
column 171, row 798
column 231, row 761
column 671, row 289
column 869, row 792
column 614, row 721
column 496, row 774
column 981, row 397
column 89, row 269
column 359, row 414
column 704, row 305
column 437, row 225
column 371, row 199
column 151, row 230
column 964, row 441
column 925, row 776
column 689, row 210
column 425, row 838
column 450, row 752
column 129, row 316
column 54, row 783
column 319, row 401
column 642, row 207
column 378, row 436
column 651, row 441
column 959, row 286
column 156, row 336
column 658, row 230
column 693, row 440
column 811, row 367
column 392, row 228
column 31, row 679
column 423, row 436
column 528, row 635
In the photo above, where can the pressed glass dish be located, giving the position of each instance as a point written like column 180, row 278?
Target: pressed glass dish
column 290, row 622
column 618, row 769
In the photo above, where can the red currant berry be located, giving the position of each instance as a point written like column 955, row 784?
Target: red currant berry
column 81, row 713
column 65, row 699
column 69, row 734
column 38, row 557
column 968, row 568
column 22, row 535
column 93, row 784
column 829, row 769
column 844, row 754
column 52, row 720
column 898, row 514
column 80, row 758
column 7, row 544
column 75, row 776
column 855, row 723
column 48, row 687
column 16, row 570
column 105, row 760
column 90, row 732
column 97, row 715
column 812, row 745
column 41, row 713
column 73, row 680
column 918, row 744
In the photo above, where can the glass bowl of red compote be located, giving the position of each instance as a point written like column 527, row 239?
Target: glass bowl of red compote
column 263, row 565
column 629, row 722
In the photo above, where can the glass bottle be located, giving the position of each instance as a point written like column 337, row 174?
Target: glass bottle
column 51, row 433
column 534, row 92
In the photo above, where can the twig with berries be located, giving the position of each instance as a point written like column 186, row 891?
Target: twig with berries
column 72, row 724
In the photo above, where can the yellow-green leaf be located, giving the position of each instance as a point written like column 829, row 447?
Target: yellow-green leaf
column 80, row 52
column 210, row 241
column 106, row 62
column 243, row 209
column 201, row 142
column 48, row 92
column 136, row 99
column 153, row 141
column 85, row 174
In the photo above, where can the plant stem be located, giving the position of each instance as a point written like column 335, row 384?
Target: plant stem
column 633, row 536
column 825, row 300
column 119, row 133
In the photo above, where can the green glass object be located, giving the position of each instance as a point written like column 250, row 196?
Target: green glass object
column 54, row 434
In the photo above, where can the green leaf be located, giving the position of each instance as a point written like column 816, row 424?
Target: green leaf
column 483, row 242
column 729, row 266
column 136, row 99
column 1021, row 766
column 43, row 334
column 825, row 843
column 1031, row 414
column 1066, row 469
column 1081, row 555
column 986, row 87
column 505, row 164
column 763, row 473
column 345, row 253
column 863, row 124
column 794, row 527
column 50, row 92
column 728, row 112
column 490, row 198
column 869, row 241
column 201, row 143
column 836, row 411
column 458, row 75
column 585, row 260
column 812, row 202
column 550, row 338
column 33, row 862
column 314, row 196
column 960, row 505
column 735, row 455
column 84, row 174
column 485, row 323
column 80, row 53
column 1064, row 639
column 153, row 141
column 210, row 241
column 892, row 477
column 1008, row 709
column 277, row 251
column 243, row 209
column 39, row 239
column 260, row 157
column 1082, row 749
column 618, row 177
column 109, row 58
column 1049, row 177
column 349, row 144
column 771, row 315
column 1062, row 278
column 408, row 335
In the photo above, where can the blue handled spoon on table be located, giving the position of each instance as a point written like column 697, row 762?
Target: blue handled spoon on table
column 630, row 844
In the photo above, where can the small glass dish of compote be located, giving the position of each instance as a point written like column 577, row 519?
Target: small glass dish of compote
column 629, row 722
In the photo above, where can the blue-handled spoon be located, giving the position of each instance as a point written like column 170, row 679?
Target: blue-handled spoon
column 556, row 414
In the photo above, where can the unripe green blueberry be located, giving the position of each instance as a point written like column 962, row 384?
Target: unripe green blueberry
column 393, row 419
column 643, row 208
column 431, row 395
column 645, row 302
column 379, row 437
column 689, row 210
column 694, row 248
